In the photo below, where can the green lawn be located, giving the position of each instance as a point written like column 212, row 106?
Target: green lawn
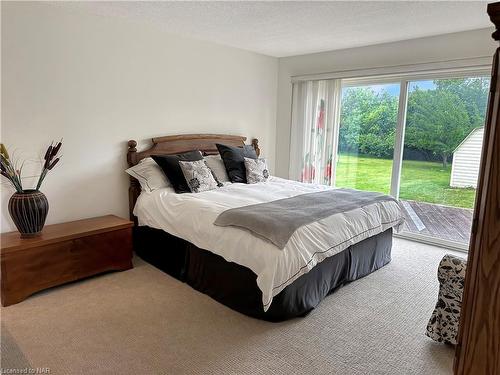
column 420, row 181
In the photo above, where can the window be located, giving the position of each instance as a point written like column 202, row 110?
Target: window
column 417, row 138
column 368, row 123
column 442, row 148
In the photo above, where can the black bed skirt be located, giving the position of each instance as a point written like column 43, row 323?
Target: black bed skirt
column 235, row 286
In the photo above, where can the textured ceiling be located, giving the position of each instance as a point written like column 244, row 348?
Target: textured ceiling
column 294, row 28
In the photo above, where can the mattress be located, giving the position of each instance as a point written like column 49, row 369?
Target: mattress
column 190, row 217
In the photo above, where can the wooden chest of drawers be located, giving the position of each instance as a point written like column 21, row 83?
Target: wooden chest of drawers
column 63, row 253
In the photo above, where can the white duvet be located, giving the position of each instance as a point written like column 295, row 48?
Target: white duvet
column 190, row 216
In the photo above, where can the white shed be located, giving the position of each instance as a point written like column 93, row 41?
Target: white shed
column 466, row 159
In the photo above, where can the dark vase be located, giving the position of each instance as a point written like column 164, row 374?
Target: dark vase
column 28, row 211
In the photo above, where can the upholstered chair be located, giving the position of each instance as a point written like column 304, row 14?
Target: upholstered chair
column 443, row 324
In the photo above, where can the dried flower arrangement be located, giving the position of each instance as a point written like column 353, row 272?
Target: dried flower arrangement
column 28, row 208
column 12, row 172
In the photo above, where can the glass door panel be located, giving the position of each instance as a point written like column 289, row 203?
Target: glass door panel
column 441, row 153
column 368, row 121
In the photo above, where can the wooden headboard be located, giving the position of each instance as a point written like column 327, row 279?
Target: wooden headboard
column 175, row 144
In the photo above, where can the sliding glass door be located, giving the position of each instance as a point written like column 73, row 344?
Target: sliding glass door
column 441, row 155
column 367, row 127
column 419, row 140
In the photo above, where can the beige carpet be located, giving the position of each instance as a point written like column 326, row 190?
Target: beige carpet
column 144, row 322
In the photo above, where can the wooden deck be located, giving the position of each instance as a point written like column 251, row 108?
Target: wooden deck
column 434, row 220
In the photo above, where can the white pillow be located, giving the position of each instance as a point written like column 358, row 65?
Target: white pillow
column 256, row 170
column 198, row 175
column 149, row 175
column 217, row 166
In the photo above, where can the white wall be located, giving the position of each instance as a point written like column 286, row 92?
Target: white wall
column 462, row 45
column 99, row 81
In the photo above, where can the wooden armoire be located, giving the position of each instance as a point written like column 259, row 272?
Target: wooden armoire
column 478, row 349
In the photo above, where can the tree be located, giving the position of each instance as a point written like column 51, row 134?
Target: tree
column 437, row 121
column 368, row 121
column 473, row 92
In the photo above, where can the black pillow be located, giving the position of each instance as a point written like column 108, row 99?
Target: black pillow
column 170, row 166
column 234, row 161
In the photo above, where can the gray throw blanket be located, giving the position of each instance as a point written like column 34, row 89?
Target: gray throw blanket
column 276, row 221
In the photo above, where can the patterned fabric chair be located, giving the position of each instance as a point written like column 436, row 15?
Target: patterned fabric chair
column 443, row 325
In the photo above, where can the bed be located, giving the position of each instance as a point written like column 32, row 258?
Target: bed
column 176, row 233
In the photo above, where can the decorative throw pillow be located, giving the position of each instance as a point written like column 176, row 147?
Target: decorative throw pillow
column 256, row 170
column 198, row 175
column 170, row 166
column 149, row 175
column 234, row 160
column 216, row 164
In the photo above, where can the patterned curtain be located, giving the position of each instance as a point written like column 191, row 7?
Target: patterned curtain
column 314, row 130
